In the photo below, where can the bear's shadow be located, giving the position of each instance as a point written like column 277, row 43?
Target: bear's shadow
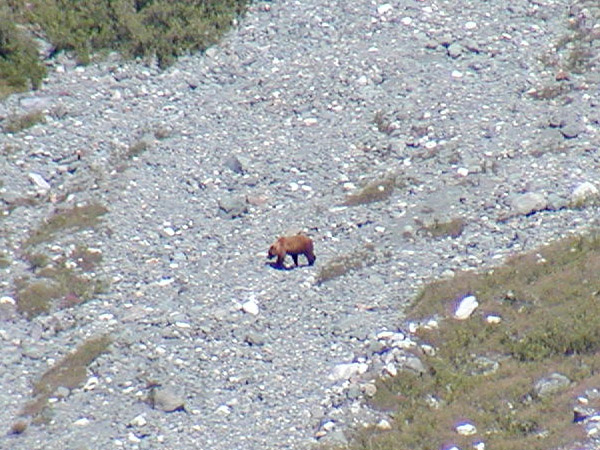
column 274, row 265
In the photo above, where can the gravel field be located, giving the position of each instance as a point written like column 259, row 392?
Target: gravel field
column 474, row 107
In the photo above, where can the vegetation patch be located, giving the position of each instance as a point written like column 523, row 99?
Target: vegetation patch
column 70, row 372
column 20, row 69
column 376, row 191
column 341, row 265
column 16, row 123
column 61, row 283
column 76, row 218
column 543, row 305
column 451, row 228
column 384, row 125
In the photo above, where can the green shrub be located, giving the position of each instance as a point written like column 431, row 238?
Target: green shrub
column 160, row 28
column 20, row 68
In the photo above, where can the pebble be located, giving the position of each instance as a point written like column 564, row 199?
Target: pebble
column 529, row 203
column 250, row 307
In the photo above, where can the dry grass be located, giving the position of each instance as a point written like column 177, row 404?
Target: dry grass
column 70, row 372
column 547, row 300
column 451, row 228
column 61, row 283
column 343, row 264
column 16, row 123
column 76, row 218
column 376, row 191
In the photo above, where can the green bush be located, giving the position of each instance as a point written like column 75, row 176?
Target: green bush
column 20, row 68
column 137, row 28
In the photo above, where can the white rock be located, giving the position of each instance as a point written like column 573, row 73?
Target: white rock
column 223, row 410
column 584, row 191
column 479, row 445
column 131, row 437
column 91, row 383
column 138, row 421
column 250, row 307
column 466, row 307
column 457, row 74
column 462, row 171
column 493, row 319
column 165, row 281
column 466, row 429
column 384, row 424
column 169, row 231
column 383, row 9
column 294, row 186
column 406, row 21
column 470, row 25
column 310, row 121
column 347, row 371
column 391, row 369
column 5, row 300
column 39, row 181
column 82, row 422
column 429, row 350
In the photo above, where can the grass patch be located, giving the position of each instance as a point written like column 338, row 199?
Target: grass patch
column 451, row 228
column 485, row 372
column 341, row 265
column 17, row 123
column 376, row 191
column 4, row 261
column 58, row 284
column 76, row 218
column 70, row 372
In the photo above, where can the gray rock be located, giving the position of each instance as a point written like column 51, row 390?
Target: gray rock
column 233, row 207
column 455, row 50
column 234, row 164
column 528, row 203
column 551, row 384
column 167, row 400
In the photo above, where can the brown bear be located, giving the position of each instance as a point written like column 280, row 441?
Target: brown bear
column 294, row 246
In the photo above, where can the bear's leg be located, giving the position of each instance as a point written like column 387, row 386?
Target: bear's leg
column 280, row 260
column 295, row 258
column 311, row 258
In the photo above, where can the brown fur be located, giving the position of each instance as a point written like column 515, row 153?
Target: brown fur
column 293, row 246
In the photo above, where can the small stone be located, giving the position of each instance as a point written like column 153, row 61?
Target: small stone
column 466, row 429
column 369, row 390
column 462, row 171
column 82, row 422
column 493, row 319
column 584, row 191
column 91, row 384
column 384, row 424
column 223, row 410
column 233, row 207
column 168, row 231
column 61, row 392
column 529, row 203
column 253, row 338
column 347, row 371
column 466, row 307
column 234, row 164
column 470, row 25
column 6, row 300
column 39, row 181
column 164, row 399
column 384, row 9
column 455, row 50
column 138, row 421
column 457, row 74
column 250, row 307
column 310, row 121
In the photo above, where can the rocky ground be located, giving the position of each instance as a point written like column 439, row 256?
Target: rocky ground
column 484, row 111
